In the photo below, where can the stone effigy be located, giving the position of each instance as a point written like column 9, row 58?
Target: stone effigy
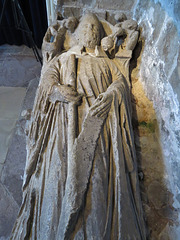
column 80, row 178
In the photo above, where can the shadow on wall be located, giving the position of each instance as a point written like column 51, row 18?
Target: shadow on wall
column 157, row 200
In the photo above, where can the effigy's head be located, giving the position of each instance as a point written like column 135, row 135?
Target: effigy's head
column 89, row 31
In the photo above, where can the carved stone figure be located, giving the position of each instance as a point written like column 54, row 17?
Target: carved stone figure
column 80, row 178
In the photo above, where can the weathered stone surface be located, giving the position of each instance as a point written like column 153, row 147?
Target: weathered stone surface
column 87, row 2
column 102, row 4
column 30, row 94
column 15, row 169
column 158, row 195
column 156, row 123
column 7, row 50
column 16, row 156
column 8, row 212
column 11, row 135
column 75, row 163
column 168, row 233
column 159, row 75
column 174, row 79
column 166, row 46
column 11, row 99
column 110, row 17
column 6, row 131
column 17, row 71
column 71, row 11
column 122, row 5
column 100, row 14
column 173, row 10
column 169, row 213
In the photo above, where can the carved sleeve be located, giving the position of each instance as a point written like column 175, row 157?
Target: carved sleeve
column 118, row 85
column 51, row 75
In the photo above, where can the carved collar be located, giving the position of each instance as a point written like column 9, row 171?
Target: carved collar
column 80, row 50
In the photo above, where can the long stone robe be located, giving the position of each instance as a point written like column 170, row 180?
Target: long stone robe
column 96, row 195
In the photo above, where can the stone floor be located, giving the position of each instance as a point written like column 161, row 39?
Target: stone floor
column 19, row 76
column 11, row 100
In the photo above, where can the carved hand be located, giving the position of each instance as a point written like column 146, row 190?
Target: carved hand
column 64, row 93
column 102, row 105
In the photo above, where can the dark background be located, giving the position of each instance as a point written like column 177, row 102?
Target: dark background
column 35, row 15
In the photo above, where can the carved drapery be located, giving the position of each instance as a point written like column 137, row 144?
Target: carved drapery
column 80, row 179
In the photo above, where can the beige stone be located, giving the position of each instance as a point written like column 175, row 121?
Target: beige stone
column 81, row 177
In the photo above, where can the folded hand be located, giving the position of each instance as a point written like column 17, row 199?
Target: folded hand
column 64, row 93
column 102, row 105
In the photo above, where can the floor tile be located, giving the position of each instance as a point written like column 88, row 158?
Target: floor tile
column 8, row 212
column 11, row 99
column 6, row 131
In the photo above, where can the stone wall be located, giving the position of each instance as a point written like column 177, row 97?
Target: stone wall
column 159, row 72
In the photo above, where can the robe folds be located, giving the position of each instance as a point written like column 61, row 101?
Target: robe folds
column 95, row 195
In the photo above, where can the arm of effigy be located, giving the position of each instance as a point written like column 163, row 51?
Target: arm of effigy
column 109, row 43
column 103, row 103
column 119, row 82
column 131, row 40
column 120, row 91
column 63, row 89
column 40, row 116
column 51, row 90
column 64, row 93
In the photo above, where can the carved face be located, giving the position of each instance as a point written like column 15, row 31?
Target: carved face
column 89, row 31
